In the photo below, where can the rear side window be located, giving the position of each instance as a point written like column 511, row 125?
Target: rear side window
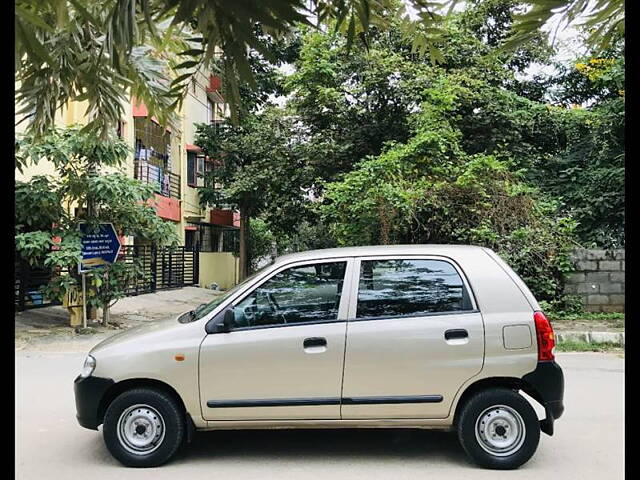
column 399, row 288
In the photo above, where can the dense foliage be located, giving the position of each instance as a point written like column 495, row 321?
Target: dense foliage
column 474, row 150
column 429, row 190
column 586, row 173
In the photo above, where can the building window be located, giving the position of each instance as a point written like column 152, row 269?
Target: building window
column 216, row 238
column 120, row 131
column 210, row 113
column 200, row 165
column 191, row 169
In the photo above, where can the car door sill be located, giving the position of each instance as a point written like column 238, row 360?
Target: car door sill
column 425, row 423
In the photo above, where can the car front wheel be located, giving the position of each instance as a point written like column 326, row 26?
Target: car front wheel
column 143, row 427
column 499, row 429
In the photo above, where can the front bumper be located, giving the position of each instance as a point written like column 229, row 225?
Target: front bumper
column 546, row 385
column 89, row 392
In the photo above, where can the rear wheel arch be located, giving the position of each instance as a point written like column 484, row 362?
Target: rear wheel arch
column 511, row 383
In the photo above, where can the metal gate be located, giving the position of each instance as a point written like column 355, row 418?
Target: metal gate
column 27, row 283
column 163, row 267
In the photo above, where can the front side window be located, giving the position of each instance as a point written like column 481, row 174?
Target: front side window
column 309, row 293
column 399, row 288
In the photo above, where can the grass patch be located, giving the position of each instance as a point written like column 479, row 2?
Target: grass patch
column 576, row 346
column 588, row 321
column 588, row 316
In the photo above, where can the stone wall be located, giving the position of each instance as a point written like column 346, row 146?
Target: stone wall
column 598, row 279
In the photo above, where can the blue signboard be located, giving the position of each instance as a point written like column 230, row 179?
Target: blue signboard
column 99, row 248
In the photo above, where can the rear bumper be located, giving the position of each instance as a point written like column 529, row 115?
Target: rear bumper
column 546, row 385
column 89, row 392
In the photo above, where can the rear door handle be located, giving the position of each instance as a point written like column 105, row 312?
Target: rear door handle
column 455, row 333
column 314, row 342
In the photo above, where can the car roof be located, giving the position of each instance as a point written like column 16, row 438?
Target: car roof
column 426, row 249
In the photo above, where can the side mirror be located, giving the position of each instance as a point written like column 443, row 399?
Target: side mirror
column 228, row 322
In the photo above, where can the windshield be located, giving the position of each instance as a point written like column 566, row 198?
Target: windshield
column 206, row 308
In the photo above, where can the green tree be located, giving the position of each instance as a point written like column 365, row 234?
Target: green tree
column 260, row 244
column 69, row 50
column 47, row 226
column 73, row 49
column 429, row 190
column 354, row 101
column 256, row 170
column 85, row 51
column 585, row 168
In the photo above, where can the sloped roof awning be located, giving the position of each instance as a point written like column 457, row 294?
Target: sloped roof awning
column 139, row 109
column 193, row 148
column 213, row 89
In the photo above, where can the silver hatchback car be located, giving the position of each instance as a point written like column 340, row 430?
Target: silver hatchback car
column 419, row 336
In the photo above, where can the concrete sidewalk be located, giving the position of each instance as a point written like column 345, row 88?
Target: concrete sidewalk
column 48, row 328
column 161, row 304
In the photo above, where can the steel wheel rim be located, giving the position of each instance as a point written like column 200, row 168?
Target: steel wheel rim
column 141, row 429
column 500, row 430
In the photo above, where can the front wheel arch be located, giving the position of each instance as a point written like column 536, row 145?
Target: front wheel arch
column 131, row 383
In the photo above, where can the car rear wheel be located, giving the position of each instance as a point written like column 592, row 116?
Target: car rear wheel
column 499, row 429
column 143, row 427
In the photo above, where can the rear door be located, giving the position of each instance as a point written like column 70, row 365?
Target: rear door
column 414, row 336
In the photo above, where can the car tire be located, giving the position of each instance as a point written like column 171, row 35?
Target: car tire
column 499, row 429
column 143, row 427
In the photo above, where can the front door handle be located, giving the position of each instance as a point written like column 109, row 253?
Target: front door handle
column 314, row 342
column 456, row 333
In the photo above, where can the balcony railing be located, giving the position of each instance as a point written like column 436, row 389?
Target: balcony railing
column 165, row 183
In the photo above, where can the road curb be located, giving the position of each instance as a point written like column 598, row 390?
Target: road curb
column 591, row 337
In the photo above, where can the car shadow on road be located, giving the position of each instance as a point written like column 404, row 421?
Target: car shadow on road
column 321, row 444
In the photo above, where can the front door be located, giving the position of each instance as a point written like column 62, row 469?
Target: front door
column 414, row 337
column 283, row 359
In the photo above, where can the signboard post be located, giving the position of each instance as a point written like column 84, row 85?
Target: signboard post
column 99, row 248
column 84, row 301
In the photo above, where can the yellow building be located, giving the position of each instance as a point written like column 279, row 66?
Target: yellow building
column 170, row 160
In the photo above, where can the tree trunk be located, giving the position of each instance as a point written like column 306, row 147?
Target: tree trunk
column 244, row 235
column 105, row 315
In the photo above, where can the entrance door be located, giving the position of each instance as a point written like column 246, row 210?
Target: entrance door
column 283, row 358
column 413, row 337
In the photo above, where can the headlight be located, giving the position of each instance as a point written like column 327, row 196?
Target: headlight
column 88, row 367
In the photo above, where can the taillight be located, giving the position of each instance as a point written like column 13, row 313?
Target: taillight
column 546, row 339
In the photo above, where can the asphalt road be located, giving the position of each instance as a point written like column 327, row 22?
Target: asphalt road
column 588, row 443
